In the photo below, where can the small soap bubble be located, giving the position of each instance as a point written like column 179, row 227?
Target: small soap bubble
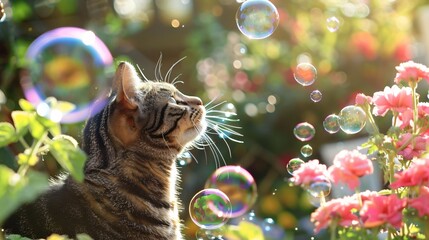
column 257, row 19
column 210, row 208
column 304, row 131
column 72, row 65
column 331, row 124
column 238, row 184
column 333, row 24
column 306, row 150
column 229, row 110
column 305, row 74
column 316, row 96
column 185, row 158
column 293, row 165
column 352, row 119
column 320, row 187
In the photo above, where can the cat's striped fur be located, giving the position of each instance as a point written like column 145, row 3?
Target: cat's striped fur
column 129, row 190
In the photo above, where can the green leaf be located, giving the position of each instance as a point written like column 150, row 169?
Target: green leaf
column 16, row 190
column 69, row 156
column 64, row 107
column 83, row 236
column 7, row 134
column 37, row 129
column 21, row 120
column 16, row 237
column 26, row 105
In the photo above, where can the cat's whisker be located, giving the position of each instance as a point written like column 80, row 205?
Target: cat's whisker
column 174, row 82
column 226, row 127
column 158, row 74
column 222, row 112
column 212, row 101
column 168, row 74
column 141, row 72
column 224, row 119
column 214, row 106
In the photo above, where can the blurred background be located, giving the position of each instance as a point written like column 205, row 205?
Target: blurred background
column 353, row 44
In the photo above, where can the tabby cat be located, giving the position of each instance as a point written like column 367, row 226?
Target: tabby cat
column 129, row 190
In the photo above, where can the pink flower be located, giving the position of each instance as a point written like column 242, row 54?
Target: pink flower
column 411, row 72
column 395, row 99
column 307, row 172
column 362, row 99
column 341, row 209
column 420, row 203
column 406, row 117
column 349, row 166
column 416, row 175
column 414, row 148
column 381, row 210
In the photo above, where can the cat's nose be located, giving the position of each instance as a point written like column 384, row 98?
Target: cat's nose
column 196, row 101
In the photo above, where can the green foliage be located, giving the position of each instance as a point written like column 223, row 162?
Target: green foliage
column 16, row 189
column 25, row 184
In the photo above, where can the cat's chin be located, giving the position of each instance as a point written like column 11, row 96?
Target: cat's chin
column 193, row 133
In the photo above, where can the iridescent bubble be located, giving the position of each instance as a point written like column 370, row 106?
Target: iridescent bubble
column 257, row 19
column 229, row 109
column 316, row 96
column 210, row 208
column 293, row 165
column 237, row 183
column 306, row 150
column 304, row 131
column 184, row 159
column 332, row 123
column 320, row 187
column 305, row 74
column 352, row 119
column 72, row 65
column 333, row 24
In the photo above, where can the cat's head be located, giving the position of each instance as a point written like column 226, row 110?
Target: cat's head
column 154, row 112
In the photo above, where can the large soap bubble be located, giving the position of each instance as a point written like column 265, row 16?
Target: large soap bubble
column 237, row 184
column 257, row 19
column 210, row 208
column 70, row 64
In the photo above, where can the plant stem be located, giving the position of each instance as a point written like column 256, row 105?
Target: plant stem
column 333, row 231
column 415, row 109
column 391, row 167
column 34, row 149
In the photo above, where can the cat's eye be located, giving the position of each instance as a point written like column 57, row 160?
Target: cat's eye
column 172, row 100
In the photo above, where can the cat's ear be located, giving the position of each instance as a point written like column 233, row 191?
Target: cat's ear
column 126, row 84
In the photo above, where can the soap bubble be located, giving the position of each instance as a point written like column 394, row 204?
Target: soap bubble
column 257, row 19
column 184, row 159
column 293, row 165
column 210, row 208
column 333, row 24
column 305, row 74
column 332, row 123
column 229, row 109
column 306, row 150
column 352, row 119
column 320, row 187
column 237, row 184
column 304, row 131
column 70, row 64
column 316, row 96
